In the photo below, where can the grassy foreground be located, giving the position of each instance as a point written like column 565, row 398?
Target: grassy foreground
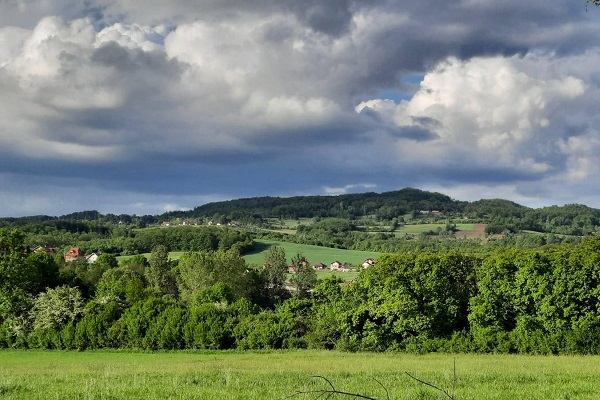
column 277, row 374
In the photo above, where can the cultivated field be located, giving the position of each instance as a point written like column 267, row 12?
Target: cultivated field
column 278, row 374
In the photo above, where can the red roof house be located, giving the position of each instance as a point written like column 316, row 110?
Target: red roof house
column 73, row 254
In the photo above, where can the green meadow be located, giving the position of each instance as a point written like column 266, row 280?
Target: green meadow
column 312, row 253
column 279, row 374
column 415, row 229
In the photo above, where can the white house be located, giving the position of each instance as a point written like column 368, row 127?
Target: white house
column 90, row 259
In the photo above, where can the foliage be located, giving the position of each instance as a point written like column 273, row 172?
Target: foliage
column 210, row 326
column 305, row 277
column 200, row 270
column 122, row 283
column 54, row 308
column 273, row 277
column 98, row 316
column 14, row 272
column 493, row 297
column 267, row 330
column 158, row 272
column 131, row 329
column 405, row 296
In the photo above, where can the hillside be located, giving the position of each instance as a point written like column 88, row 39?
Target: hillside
column 342, row 206
column 385, row 214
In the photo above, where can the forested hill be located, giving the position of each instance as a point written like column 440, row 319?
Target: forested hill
column 499, row 214
column 384, row 205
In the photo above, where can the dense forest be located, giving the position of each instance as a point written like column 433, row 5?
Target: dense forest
column 382, row 205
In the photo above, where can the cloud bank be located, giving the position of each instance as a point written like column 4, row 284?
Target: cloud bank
column 139, row 108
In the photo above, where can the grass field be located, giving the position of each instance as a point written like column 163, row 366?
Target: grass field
column 173, row 255
column 313, row 254
column 420, row 228
column 278, row 374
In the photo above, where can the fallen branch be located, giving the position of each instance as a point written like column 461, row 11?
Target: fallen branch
column 450, row 396
column 327, row 393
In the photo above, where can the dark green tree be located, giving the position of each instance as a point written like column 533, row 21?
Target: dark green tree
column 20, row 275
column 137, row 263
column 124, row 284
column 274, row 274
column 305, row 278
column 202, row 269
column 158, row 273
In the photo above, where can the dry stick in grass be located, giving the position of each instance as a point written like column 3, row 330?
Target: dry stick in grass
column 330, row 392
column 450, row 396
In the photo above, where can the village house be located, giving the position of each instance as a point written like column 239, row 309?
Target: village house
column 369, row 262
column 90, row 259
column 319, row 266
column 73, row 254
column 43, row 249
column 338, row 266
column 335, row 266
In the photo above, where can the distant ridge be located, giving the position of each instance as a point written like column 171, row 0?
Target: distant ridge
column 574, row 219
column 346, row 205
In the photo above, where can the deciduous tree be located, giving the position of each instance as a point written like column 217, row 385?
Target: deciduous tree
column 54, row 308
column 158, row 273
column 202, row 269
column 305, row 277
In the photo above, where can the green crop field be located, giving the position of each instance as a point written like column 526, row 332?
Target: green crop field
column 313, row 254
column 280, row 374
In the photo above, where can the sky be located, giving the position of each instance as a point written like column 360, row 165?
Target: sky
column 124, row 106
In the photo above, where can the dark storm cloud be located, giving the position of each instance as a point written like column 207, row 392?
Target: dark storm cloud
column 414, row 133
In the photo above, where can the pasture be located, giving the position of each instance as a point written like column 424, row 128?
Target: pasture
column 312, row 253
column 415, row 229
column 279, row 374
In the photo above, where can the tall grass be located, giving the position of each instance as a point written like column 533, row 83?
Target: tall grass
column 276, row 374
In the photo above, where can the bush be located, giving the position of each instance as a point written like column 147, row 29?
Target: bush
column 166, row 331
column 209, row 327
column 584, row 338
column 98, row 316
column 266, row 330
column 130, row 330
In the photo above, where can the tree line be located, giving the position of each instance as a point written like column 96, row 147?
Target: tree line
column 103, row 237
column 505, row 300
